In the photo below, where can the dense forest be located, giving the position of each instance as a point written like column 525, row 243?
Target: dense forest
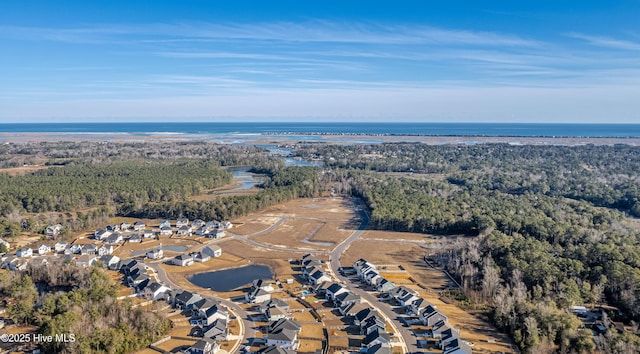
column 64, row 298
column 546, row 227
column 550, row 227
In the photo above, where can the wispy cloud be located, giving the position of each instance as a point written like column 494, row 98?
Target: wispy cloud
column 607, row 42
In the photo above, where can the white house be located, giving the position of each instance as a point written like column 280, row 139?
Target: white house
column 155, row 253
column 148, row 234
column 60, row 246
column 44, row 249
column 182, row 222
column 139, row 226
column 112, row 262
column 183, row 260
column 205, row 346
column 166, row 231
column 125, row 226
column 86, row 260
column 213, row 251
column 24, row 252
column 114, row 239
column 184, row 230
column 105, row 250
column 101, row 234
column 155, row 291
column 53, row 230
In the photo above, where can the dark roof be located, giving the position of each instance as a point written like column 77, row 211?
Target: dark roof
column 202, row 344
column 348, row 297
column 334, row 288
column 379, row 349
column 274, row 349
column 283, row 334
column 184, row 296
column 375, row 335
column 364, row 314
column 284, row 323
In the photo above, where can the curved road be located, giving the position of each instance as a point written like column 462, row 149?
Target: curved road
column 408, row 339
column 247, row 327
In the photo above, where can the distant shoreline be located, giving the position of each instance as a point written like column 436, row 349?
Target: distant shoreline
column 294, row 138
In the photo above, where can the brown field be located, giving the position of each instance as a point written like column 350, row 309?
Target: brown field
column 176, row 344
column 335, row 232
column 290, row 234
column 305, row 316
column 336, row 209
column 252, row 224
column 312, row 331
column 147, row 351
column 391, row 235
column 380, row 252
column 23, row 170
column 309, row 346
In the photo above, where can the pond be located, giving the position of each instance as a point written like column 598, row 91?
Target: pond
column 246, row 179
column 230, row 279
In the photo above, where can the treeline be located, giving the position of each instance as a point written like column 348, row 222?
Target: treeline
column 68, row 152
column 282, row 184
column 603, row 175
column 87, row 308
column 120, row 183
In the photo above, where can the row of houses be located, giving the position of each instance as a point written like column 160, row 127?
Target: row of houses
column 448, row 338
column 210, row 317
column 377, row 340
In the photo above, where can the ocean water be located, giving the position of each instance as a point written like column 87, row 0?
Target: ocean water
column 281, row 128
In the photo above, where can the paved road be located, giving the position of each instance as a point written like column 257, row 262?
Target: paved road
column 247, row 327
column 407, row 337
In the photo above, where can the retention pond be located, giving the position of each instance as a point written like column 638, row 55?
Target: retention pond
column 231, row 279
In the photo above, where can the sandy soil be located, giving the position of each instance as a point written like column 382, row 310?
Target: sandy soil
column 391, row 235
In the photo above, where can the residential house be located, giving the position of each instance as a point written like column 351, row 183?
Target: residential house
column 284, row 333
column 44, row 249
column 364, row 314
column 373, row 323
column 112, row 262
column 213, row 251
column 203, row 304
column 182, row 222
column 155, row 291
column 155, row 253
column 274, row 349
column 456, row 346
column 371, row 276
column 113, row 227
column 148, row 234
column 132, row 266
column 73, row 249
column 139, row 226
column 430, row 315
column 86, row 260
column 89, row 249
column 318, row 277
column 165, row 223
column 135, row 238
column 216, row 233
column 362, row 266
column 200, row 256
column 211, row 314
column 334, row 290
column 383, row 285
column 212, row 224
column 101, row 234
column 226, row 225
column 135, row 279
column 351, row 309
column 186, row 299
column 346, row 298
column 53, row 230
column 183, row 260
column 205, row 346
column 262, row 284
column 198, row 223
column 219, row 330
column 105, row 250
column 273, row 303
column 184, row 230
column 60, row 246
column 257, row 295
column 377, row 337
column 114, row 238
column 166, row 231
column 202, row 231
column 379, row 349
column 408, row 299
column 275, row 313
column 24, row 252
column 125, row 226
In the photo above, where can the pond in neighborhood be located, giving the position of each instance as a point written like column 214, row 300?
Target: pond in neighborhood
column 230, row 279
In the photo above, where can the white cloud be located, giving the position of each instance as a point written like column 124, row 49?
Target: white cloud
column 607, row 42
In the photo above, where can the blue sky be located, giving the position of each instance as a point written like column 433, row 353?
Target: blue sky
column 444, row 61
